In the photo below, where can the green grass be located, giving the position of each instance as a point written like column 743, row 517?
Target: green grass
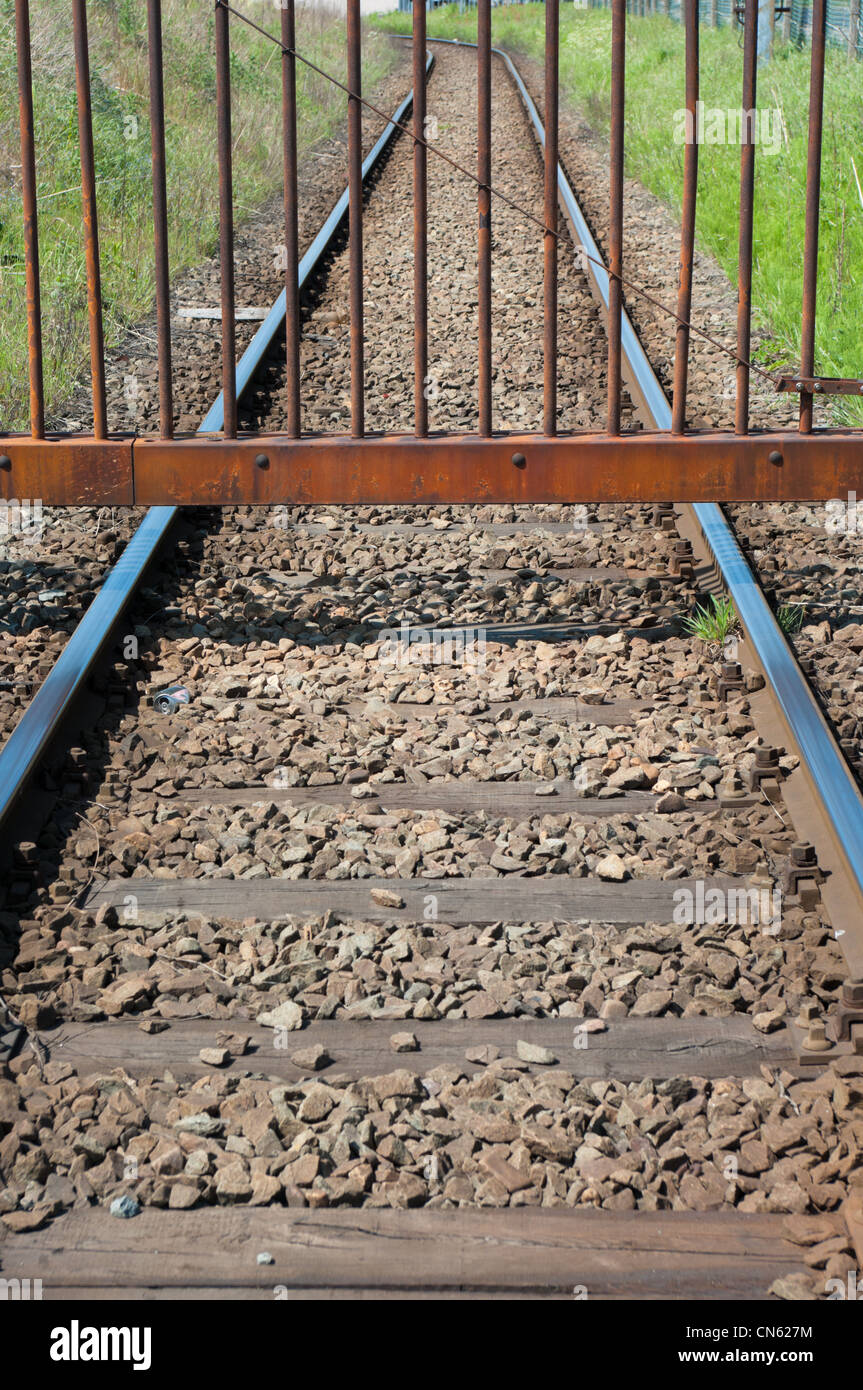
column 713, row 624
column 790, row 617
column 654, row 91
column 118, row 57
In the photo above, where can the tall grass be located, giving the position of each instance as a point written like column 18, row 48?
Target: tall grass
column 654, row 92
column 118, row 44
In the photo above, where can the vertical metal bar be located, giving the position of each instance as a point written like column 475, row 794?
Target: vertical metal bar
column 292, row 250
column 484, row 207
column 420, row 221
column 355, row 199
column 549, row 391
column 687, row 234
column 853, row 26
column 615, row 233
column 31, row 224
column 714, row 14
column 91, row 222
column 226, row 220
column 747, row 189
column 813, row 198
column 160, row 216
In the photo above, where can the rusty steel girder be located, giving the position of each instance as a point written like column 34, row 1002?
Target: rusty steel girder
column 643, row 466
column 67, row 469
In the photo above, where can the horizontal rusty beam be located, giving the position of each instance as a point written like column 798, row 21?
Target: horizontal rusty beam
column 67, row 469
column 644, row 466
column 824, row 385
column 638, row 467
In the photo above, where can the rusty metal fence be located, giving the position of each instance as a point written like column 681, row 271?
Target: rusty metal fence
column 791, row 21
column 420, row 466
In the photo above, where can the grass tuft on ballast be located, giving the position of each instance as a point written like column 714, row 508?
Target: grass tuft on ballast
column 790, row 616
column 714, row 624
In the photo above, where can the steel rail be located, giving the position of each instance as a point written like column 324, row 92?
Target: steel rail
column 43, row 716
column 39, row 723
column 830, row 778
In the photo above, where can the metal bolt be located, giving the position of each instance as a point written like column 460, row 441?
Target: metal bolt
column 519, row 460
column 774, row 457
column 261, row 461
column 731, row 788
column 808, row 1012
column 816, row 386
column 5, row 462
column 852, row 993
column 803, row 853
column 765, row 756
column 816, row 1039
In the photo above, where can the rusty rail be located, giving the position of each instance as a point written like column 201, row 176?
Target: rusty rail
column 91, row 220
column 615, row 219
column 687, row 233
column 355, row 185
column 31, row 229
column 747, row 198
column 421, row 335
column 552, row 465
column 552, row 58
column 160, row 217
column 813, row 196
column 292, row 248
column 483, row 144
column 226, row 221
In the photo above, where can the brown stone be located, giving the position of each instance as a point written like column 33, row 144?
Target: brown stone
column 497, row 1167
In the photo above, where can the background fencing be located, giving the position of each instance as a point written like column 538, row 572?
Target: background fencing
column 791, row 20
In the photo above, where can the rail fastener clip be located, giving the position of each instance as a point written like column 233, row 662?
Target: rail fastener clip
column 168, row 701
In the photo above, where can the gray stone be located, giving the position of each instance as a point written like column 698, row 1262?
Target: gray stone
column 532, row 1052
column 125, row 1207
column 288, row 1015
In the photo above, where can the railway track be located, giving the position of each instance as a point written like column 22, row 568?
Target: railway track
column 433, row 949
